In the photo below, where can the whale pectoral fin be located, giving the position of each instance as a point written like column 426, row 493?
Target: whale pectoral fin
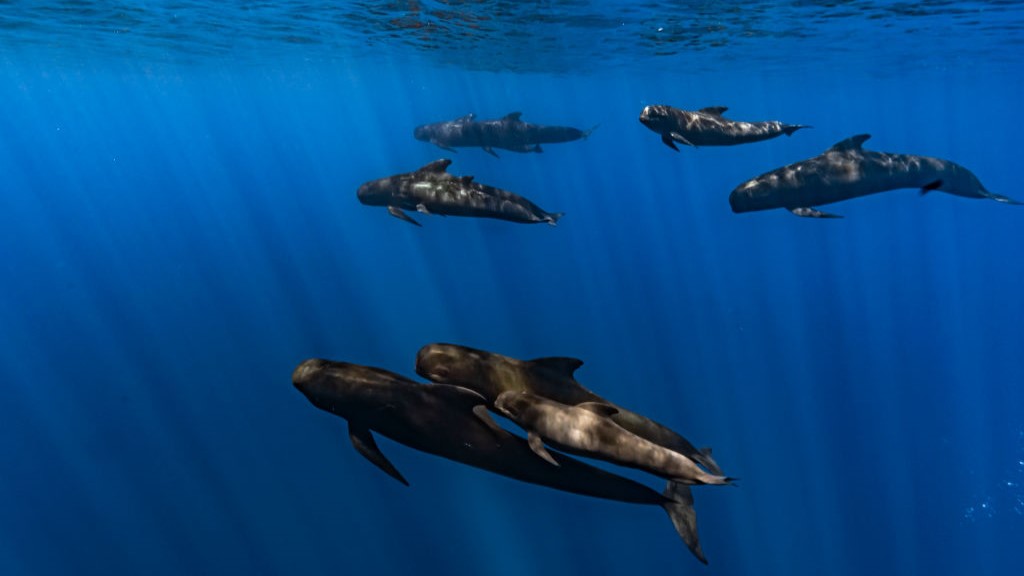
column 397, row 213
column 668, row 141
column 563, row 366
column 422, row 209
column 812, row 213
column 930, row 186
column 537, row 445
column 599, row 408
column 679, row 506
column 442, row 146
column 480, row 411
column 537, row 149
column 363, row 442
column 491, row 151
column 681, row 139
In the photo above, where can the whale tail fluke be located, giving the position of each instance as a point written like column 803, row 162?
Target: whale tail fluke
column 553, row 218
column 679, row 507
column 587, row 133
column 788, row 129
column 1003, row 199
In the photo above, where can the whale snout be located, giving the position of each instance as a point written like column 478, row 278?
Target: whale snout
column 652, row 115
column 306, row 372
column 421, row 133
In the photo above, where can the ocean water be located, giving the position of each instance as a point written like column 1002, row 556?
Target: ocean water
column 179, row 229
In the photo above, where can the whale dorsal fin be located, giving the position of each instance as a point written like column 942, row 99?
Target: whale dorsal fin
column 714, row 110
column 436, row 166
column 563, row 366
column 851, row 143
column 363, row 442
column 513, row 116
column 466, row 180
column 599, row 408
column 467, row 118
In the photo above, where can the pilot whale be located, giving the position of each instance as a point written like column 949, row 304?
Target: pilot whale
column 847, row 170
column 490, row 374
column 587, row 430
column 508, row 132
column 432, row 190
column 709, row 127
column 450, row 422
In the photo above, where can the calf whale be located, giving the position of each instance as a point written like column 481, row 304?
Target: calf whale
column 587, row 430
column 451, row 422
column 491, row 374
column 432, row 190
column 846, row 171
column 508, row 133
column 709, row 127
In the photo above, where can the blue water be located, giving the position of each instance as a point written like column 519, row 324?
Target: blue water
column 179, row 229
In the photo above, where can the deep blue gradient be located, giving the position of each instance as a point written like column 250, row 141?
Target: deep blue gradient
column 177, row 236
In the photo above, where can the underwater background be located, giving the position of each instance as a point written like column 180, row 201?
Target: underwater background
column 179, row 229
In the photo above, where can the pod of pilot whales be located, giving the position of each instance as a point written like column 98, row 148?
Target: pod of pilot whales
column 845, row 171
column 450, row 417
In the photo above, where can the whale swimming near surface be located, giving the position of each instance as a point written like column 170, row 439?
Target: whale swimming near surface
column 846, row 171
column 709, row 127
column 451, row 422
column 508, row 133
column 587, row 430
column 490, row 374
column 432, row 190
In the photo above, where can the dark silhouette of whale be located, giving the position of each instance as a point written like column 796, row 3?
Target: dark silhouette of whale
column 490, row 375
column 847, row 171
column 508, row 132
column 451, row 422
column 432, row 190
column 708, row 127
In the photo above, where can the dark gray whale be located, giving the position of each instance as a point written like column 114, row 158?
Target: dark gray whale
column 509, row 133
column 432, row 190
column 451, row 422
column 708, row 127
column 847, row 171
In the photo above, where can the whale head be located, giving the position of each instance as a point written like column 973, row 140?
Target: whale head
column 658, row 118
column 423, row 133
column 342, row 388
column 512, row 404
column 756, row 194
column 376, row 192
column 463, row 366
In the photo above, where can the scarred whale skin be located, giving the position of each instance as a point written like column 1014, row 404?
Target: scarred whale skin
column 447, row 421
column 508, row 133
column 709, row 127
column 846, row 171
column 432, row 190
